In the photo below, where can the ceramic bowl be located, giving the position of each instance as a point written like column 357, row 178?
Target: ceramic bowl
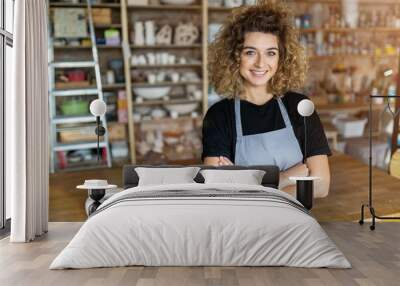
column 178, row 2
column 183, row 108
column 152, row 92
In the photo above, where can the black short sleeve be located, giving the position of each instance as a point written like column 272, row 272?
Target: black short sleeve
column 316, row 141
column 217, row 131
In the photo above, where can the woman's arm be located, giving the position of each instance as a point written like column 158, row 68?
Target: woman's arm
column 213, row 161
column 319, row 167
column 316, row 166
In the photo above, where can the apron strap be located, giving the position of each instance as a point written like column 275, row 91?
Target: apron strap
column 238, row 118
column 284, row 112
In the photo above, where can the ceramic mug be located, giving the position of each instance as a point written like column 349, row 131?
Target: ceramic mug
column 174, row 77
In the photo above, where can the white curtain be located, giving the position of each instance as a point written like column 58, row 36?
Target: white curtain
column 27, row 165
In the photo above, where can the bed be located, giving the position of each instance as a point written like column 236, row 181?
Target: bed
column 201, row 224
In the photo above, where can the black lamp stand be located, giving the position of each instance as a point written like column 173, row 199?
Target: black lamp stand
column 370, row 203
column 305, row 140
column 305, row 188
column 100, row 131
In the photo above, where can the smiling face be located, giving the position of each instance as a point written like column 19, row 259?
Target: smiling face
column 259, row 59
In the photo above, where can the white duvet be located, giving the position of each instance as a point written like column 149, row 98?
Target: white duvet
column 206, row 230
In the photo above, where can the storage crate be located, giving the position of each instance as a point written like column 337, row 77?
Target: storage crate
column 350, row 127
column 69, row 23
column 101, row 16
column 119, row 149
column 74, row 107
column 72, row 84
column 116, row 131
column 85, row 133
column 138, row 2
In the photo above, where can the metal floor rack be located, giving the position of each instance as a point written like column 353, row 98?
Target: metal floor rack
column 55, row 119
column 370, row 201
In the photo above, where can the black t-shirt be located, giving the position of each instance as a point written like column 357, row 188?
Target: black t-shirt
column 219, row 129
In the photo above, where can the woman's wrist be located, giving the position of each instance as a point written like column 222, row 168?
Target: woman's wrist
column 283, row 180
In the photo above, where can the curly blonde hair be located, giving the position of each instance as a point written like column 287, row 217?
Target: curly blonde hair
column 267, row 17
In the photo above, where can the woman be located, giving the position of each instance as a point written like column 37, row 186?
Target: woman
column 255, row 62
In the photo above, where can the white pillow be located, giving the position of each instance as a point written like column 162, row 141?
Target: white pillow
column 166, row 176
column 248, row 177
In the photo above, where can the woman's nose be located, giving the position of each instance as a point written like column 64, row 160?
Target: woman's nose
column 260, row 61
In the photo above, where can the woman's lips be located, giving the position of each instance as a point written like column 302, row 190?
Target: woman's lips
column 258, row 73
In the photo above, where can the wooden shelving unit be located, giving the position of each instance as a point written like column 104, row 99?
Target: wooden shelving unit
column 153, row 12
column 83, row 52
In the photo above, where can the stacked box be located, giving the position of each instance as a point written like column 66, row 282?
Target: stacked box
column 101, row 16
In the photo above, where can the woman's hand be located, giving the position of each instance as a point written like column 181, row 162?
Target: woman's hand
column 223, row 161
column 217, row 161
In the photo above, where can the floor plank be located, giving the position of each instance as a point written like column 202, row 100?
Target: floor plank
column 374, row 255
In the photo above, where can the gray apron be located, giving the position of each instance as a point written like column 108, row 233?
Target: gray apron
column 278, row 147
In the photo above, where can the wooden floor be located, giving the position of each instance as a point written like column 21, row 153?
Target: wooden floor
column 349, row 188
column 374, row 255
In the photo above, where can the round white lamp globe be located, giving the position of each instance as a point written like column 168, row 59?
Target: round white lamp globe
column 305, row 107
column 98, row 107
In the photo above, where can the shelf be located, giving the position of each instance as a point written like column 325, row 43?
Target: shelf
column 219, row 9
column 164, row 102
column 165, row 83
column 309, row 30
column 64, row 119
column 194, row 46
column 105, row 86
column 80, row 166
column 114, row 86
column 338, row 2
column 352, row 30
column 75, row 91
column 78, row 146
column 166, row 66
column 330, row 57
column 103, row 26
column 83, row 5
column 348, row 107
column 169, row 119
column 87, row 47
column 166, row 7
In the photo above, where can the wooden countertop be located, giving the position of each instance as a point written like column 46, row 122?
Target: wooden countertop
column 349, row 189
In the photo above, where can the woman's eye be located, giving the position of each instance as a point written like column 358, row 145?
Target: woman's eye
column 249, row 53
column 271, row 54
